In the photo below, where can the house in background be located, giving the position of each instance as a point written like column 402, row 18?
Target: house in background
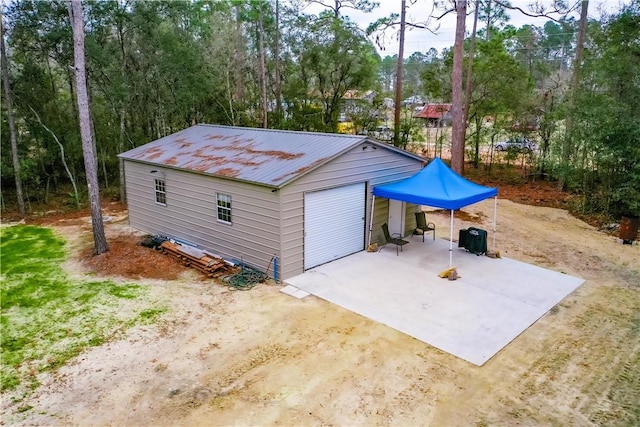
column 254, row 194
column 359, row 96
column 436, row 115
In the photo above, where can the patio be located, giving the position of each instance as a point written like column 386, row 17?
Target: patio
column 474, row 317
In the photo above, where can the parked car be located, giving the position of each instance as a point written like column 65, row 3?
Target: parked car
column 519, row 144
column 383, row 133
column 413, row 100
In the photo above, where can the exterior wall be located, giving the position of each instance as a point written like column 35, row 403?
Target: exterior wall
column 264, row 223
column 410, row 219
column 190, row 213
column 357, row 165
column 381, row 215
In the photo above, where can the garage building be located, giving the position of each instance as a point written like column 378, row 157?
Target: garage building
column 254, row 194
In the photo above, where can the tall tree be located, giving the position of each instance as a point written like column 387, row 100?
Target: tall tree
column 568, row 146
column 493, row 15
column 606, row 130
column 459, row 127
column 380, row 27
column 556, row 42
column 41, row 46
column 500, row 90
column 387, row 72
column 262, row 68
column 277, row 84
column 335, row 57
column 239, row 56
column 472, row 45
column 436, row 76
column 88, row 144
column 399, row 76
column 12, row 125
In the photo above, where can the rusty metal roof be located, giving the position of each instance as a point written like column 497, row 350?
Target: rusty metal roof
column 433, row 111
column 264, row 156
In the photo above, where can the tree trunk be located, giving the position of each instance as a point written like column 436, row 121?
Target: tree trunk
column 458, row 129
column 472, row 45
column 263, row 71
column 122, row 112
column 239, row 57
column 486, row 36
column 567, row 145
column 476, row 154
column 399, row 77
column 123, row 191
column 88, row 145
column 12, row 125
column 277, row 83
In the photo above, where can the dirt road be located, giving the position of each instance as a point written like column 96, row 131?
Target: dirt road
column 221, row 357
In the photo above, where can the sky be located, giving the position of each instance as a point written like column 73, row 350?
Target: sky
column 417, row 40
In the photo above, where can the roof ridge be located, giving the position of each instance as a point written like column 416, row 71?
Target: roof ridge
column 299, row 132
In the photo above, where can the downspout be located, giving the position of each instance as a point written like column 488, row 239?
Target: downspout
column 275, row 269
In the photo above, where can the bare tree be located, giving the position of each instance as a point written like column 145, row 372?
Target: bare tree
column 361, row 5
column 458, row 125
column 12, row 125
column 62, row 156
column 88, row 144
column 538, row 9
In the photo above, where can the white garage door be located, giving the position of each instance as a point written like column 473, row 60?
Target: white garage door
column 333, row 224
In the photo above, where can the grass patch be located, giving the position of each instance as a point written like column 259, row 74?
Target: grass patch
column 48, row 318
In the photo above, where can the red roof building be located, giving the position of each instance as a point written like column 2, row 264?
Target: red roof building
column 437, row 115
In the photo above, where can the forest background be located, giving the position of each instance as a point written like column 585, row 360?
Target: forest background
column 156, row 67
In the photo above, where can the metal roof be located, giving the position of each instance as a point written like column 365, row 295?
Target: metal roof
column 264, row 156
column 433, row 111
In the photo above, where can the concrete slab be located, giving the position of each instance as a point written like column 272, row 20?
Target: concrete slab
column 473, row 317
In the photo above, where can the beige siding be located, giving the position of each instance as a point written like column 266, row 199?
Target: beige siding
column 371, row 166
column 190, row 213
column 410, row 219
column 265, row 223
column 381, row 215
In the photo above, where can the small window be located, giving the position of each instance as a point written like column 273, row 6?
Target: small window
column 224, row 208
column 161, row 192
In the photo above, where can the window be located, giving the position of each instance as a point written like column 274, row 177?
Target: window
column 161, row 192
column 224, row 208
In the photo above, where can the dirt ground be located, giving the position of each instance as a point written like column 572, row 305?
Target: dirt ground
column 223, row 357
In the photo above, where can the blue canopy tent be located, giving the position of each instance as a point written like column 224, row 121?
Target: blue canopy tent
column 438, row 186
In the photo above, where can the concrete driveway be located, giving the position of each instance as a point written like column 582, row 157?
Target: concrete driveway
column 473, row 317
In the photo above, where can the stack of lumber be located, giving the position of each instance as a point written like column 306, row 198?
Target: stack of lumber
column 194, row 257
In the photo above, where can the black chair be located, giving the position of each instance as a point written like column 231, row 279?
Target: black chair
column 392, row 239
column 422, row 224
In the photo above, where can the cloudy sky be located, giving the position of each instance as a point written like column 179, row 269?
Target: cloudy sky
column 423, row 40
